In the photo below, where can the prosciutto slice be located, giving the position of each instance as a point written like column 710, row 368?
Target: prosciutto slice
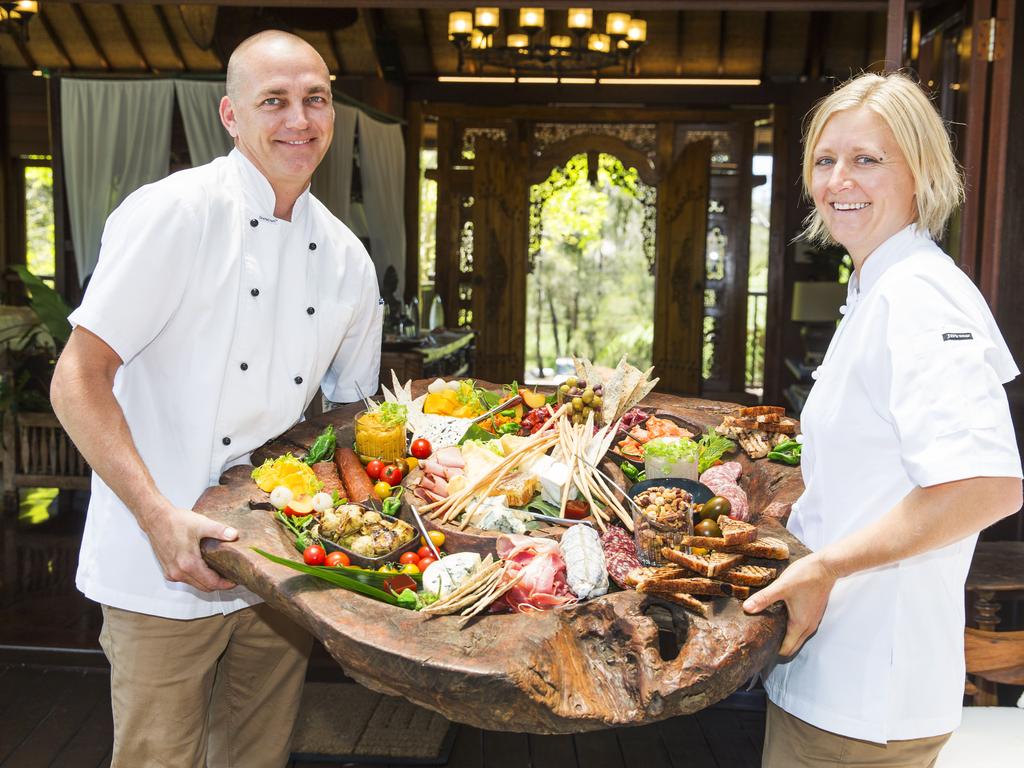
column 538, row 562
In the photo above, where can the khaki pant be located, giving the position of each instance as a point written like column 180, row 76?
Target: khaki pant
column 221, row 691
column 791, row 743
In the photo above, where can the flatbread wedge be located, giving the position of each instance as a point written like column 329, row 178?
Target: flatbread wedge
column 710, row 564
column 766, row 547
column 749, row 575
column 736, row 531
column 692, row 586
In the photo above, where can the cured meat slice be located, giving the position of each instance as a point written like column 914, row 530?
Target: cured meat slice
column 327, row 473
column 619, row 555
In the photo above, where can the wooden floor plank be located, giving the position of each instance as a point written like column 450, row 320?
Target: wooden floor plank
column 552, row 751
column 642, row 747
column 687, row 747
column 598, row 749
column 91, row 745
column 29, row 696
column 77, row 698
column 506, row 750
column 468, row 749
column 727, row 740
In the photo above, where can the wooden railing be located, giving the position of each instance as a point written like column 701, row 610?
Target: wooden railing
column 38, row 453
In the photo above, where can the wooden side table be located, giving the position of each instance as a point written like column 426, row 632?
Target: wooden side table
column 997, row 573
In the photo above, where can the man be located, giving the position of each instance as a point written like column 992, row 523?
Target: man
column 223, row 297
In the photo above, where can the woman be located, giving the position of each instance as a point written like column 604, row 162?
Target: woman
column 908, row 449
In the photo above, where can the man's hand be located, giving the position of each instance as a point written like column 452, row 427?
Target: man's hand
column 174, row 535
column 804, row 587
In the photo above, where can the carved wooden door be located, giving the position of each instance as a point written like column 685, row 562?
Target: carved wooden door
column 499, row 260
column 679, row 270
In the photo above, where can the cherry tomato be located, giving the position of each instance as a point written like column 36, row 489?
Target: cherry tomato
column 420, row 448
column 388, row 568
column 424, row 551
column 410, row 569
column 409, row 557
column 425, row 561
column 435, row 536
column 391, row 474
column 382, row 490
column 337, row 559
column 374, row 468
column 314, row 555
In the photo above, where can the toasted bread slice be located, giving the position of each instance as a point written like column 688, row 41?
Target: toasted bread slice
column 704, row 542
column 766, row 547
column 710, row 564
column 693, row 586
column 687, row 601
column 736, row 531
column 653, row 573
column 749, row 575
column 762, row 410
column 635, row 576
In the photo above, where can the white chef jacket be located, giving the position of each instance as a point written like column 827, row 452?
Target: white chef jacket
column 909, row 394
column 227, row 320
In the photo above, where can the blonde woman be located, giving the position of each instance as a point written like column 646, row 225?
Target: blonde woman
column 908, row 449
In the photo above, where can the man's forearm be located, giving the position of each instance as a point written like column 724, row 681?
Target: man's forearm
column 925, row 519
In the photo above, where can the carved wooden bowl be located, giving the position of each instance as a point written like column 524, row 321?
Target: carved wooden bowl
column 623, row 658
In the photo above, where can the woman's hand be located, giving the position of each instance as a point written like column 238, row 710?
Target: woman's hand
column 804, row 587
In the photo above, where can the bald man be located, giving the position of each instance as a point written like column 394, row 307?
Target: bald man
column 225, row 297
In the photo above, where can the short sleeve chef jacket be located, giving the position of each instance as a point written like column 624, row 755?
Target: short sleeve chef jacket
column 227, row 321
column 909, row 394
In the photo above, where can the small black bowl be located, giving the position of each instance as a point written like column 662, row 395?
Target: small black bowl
column 700, row 492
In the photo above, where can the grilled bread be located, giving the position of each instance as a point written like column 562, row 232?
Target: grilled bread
column 637, row 575
column 736, row 531
column 687, row 601
column 710, row 564
column 693, row 586
column 749, row 575
column 765, row 547
column 705, row 542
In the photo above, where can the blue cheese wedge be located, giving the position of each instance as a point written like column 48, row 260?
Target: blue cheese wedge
column 445, row 575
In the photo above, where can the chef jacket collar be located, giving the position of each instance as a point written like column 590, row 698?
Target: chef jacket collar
column 888, row 254
column 259, row 195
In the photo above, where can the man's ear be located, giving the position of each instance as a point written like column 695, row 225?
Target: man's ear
column 227, row 117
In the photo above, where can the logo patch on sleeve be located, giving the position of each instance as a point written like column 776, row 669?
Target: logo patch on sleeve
column 956, row 336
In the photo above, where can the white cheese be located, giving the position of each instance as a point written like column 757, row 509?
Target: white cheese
column 553, row 476
column 443, row 576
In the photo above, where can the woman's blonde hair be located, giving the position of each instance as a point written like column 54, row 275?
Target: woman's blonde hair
column 920, row 134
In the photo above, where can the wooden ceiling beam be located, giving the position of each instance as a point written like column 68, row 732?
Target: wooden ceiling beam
column 895, row 33
column 172, row 41
column 766, row 43
column 723, row 29
column 424, row 26
column 335, row 52
column 44, row 20
column 598, row 5
column 133, row 41
column 26, row 55
column 369, row 28
column 90, row 35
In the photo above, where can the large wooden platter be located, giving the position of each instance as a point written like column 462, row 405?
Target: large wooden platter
column 620, row 659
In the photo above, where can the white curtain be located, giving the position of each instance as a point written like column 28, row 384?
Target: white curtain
column 332, row 181
column 382, row 170
column 199, row 103
column 116, row 137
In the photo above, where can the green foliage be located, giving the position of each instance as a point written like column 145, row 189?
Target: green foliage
column 40, row 255
column 591, row 293
column 52, row 310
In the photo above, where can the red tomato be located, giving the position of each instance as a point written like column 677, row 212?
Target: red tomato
column 420, row 448
column 424, row 551
column 374, row 468
column 314, row 555
column 425, row 561
column 391, row 474
column 409, row 557
column 336, row 559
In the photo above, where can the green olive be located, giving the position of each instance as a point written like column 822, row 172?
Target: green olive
column 588, row 395
column 715, row 506
column 577, row 403
column 571, row 381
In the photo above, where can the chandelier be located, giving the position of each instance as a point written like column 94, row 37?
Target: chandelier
column 14, row 17
column 534, row 48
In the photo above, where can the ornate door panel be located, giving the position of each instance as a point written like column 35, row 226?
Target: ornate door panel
column 499, row 260
column 679, row 278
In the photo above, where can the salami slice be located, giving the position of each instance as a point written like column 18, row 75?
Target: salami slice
column 619, row 554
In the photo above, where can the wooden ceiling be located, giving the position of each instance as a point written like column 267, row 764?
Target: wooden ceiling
column 407, row 41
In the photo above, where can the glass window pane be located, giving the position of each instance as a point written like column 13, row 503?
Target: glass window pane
column 40, row 254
